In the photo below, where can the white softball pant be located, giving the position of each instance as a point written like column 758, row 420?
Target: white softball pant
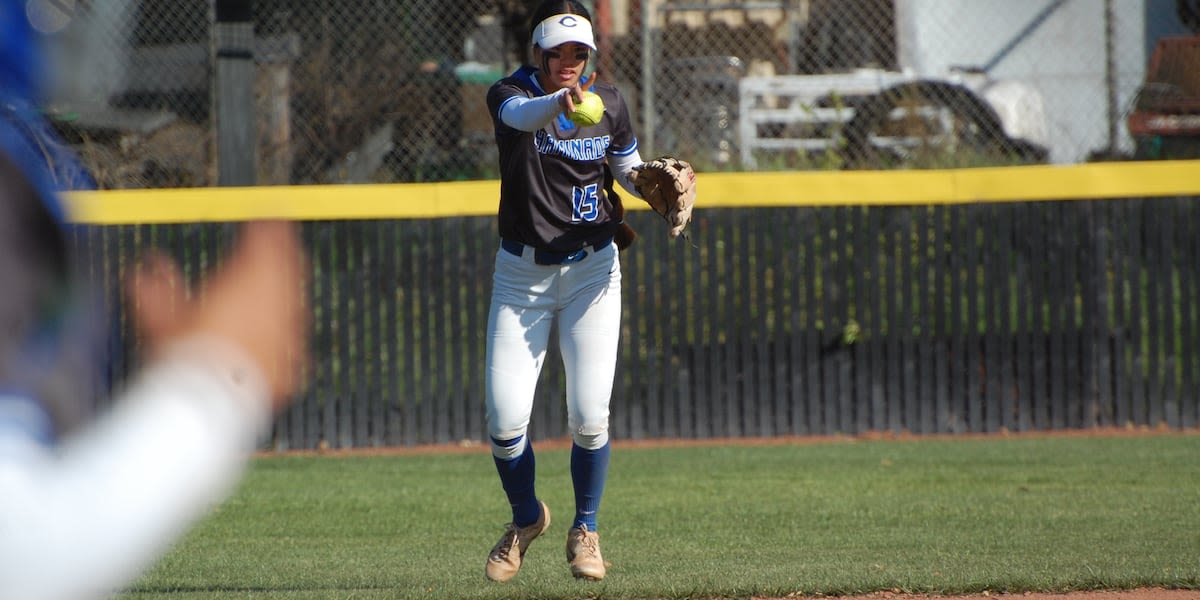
column 585, row 298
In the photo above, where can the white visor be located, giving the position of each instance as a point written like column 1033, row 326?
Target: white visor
column 560, row 29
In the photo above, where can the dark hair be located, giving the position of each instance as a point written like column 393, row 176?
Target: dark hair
column 549, row 8
column 47, row 339
column 34, row 265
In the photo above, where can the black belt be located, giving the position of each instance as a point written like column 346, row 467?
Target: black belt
column 549, row 257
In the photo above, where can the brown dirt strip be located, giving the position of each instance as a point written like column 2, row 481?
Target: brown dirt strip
column 471, row 446
column 1138, row 594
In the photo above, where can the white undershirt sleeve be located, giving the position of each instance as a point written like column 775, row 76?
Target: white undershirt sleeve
column 621, row 167
column 84, row 521
column 531, row 114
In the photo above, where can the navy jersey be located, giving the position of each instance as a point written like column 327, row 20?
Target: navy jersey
column 552, row 180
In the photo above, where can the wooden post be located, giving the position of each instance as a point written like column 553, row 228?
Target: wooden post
column 273, row 59
column 233, row 95
column 604, row 38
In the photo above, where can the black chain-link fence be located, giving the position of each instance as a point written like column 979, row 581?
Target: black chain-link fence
column 977, row 317
column 393, row 90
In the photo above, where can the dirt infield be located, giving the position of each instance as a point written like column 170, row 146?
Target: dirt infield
column 1140, row 594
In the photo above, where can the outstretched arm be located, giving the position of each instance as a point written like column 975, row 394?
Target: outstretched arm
column 84, row 519
column 532, row 114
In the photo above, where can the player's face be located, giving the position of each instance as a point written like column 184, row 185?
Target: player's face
column 565, row 64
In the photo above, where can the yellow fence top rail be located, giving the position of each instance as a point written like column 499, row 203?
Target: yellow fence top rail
column 804, row 188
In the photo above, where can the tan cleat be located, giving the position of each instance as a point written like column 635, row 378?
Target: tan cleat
column 583, row 552
column 505, row 558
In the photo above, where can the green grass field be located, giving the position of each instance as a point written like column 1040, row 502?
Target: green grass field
column 936, row 515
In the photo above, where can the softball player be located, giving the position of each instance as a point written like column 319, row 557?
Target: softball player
column 90, row 500
column 557, row 262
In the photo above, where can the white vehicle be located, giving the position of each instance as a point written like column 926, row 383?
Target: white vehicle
column 878, row 117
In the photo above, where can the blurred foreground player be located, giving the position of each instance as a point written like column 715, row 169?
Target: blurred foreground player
column 88, row 501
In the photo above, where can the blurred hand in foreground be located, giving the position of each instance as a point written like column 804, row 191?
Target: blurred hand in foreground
column 257, row 300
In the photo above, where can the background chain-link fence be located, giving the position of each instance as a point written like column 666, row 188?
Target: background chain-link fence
column 393, row 90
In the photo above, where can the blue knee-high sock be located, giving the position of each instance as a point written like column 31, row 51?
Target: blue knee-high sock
column 589, row 470
column 517, row 478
